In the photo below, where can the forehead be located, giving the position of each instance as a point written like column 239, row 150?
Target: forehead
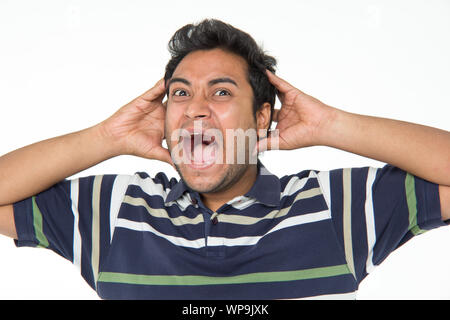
column 205, row 64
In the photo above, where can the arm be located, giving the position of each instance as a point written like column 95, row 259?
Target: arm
column 137, row 128
column 444, row 195
column 34, row 168
column 305, row 121
column 423, row 151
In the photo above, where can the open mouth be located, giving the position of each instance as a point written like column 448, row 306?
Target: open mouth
column 200, row 149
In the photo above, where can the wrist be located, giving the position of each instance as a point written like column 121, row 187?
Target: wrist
column 325, row 134
column 107, row 143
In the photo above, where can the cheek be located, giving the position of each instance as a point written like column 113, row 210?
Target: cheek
column 236, row 115
column 172, row 122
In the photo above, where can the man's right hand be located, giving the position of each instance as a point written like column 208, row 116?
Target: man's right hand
column 138, row 127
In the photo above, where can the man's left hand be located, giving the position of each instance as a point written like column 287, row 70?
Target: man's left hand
column 300, row 119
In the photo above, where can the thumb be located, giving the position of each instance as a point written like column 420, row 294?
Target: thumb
column 269, row 143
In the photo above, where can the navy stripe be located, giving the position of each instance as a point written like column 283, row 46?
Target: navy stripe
column 85, row 227
column 105, row 204
column 336, row 190
column 428, row 202
column 359, row 230
column 60, row 239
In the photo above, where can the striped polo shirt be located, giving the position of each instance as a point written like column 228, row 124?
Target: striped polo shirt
column 315, row 234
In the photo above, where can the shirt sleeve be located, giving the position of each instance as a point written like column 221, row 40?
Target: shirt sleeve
column 376, row 210
column 74, row 218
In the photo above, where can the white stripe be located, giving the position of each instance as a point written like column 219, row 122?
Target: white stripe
column 74, row 187
column 286, row 223
column 221, row 241
column 295, row 184
column 142, row 226
column 150, row 187
column 241, row 202
column 370, row 219
column 117, row 194
column 336, row 296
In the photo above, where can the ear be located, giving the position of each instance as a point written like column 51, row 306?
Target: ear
column 263, row 117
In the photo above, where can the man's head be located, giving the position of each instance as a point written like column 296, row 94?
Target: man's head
column 210, row 34
column 217, row 75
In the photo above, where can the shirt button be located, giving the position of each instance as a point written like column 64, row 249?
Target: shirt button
column 194, row 201
column 215, row 221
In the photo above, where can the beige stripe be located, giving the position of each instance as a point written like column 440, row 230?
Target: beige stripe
column 347, row 191
column 238, row 219
column 161, row 213
column 228, row 218
column 95, row 254
column 213, row 215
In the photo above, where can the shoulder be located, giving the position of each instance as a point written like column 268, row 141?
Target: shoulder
column 302, row 181
column 161, row 179
column 140, row 184
column 333, row 180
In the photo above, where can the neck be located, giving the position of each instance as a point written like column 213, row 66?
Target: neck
column 215, row 200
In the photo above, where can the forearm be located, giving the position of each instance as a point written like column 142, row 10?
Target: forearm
column 421, row 150
column 34, row 168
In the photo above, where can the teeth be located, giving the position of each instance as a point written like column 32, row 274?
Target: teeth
column 203, row 138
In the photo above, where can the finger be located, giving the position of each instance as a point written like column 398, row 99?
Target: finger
column 265, row 144
column 155, row 93
column 276, row 115
column 280, row 84
column 261, row 146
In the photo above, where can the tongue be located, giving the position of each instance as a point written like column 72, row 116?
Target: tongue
column 203, row 153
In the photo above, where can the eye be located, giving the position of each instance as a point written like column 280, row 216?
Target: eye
column 180, row 93
column 222, row 92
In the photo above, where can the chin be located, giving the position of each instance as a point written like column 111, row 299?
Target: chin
column 203, row 180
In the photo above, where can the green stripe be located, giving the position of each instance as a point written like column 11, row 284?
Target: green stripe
column 37, row 224
column 412, row 204
column 204, row 280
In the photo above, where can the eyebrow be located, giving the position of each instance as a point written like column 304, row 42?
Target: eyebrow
column 210, row 83
column 182, row 80
column 220, row 80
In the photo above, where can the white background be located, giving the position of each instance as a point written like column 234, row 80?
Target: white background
column 66, row 65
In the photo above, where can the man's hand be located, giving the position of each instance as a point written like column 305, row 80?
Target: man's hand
column 138, row 127
column 305, row 121
column 300, row 119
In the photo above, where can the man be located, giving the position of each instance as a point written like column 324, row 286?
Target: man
column 228, row 229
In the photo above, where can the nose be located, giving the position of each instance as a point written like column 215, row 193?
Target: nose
column 198, row 108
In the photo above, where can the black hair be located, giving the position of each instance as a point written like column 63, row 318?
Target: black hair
column 210, row 34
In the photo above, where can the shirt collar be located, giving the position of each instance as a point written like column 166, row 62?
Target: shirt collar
column 266, row 188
